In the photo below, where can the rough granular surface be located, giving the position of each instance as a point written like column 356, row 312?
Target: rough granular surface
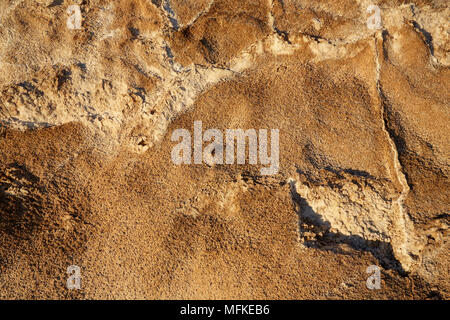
column 96, row 97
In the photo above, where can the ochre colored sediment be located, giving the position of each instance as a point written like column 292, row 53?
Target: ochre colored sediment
column 87, row 179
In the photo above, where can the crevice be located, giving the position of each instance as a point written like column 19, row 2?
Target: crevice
column 318, row 38
column 63, row 77
column 283, row 34
column 397, row 142
column 157, row 2
column 171, row 15
column 315, row 232
column 55, row 3
column 405, row 225
column 200, row 14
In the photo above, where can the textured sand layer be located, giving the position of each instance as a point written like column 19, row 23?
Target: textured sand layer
column 87, row 179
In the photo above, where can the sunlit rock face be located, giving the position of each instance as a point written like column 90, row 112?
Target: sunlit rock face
column 91, row 93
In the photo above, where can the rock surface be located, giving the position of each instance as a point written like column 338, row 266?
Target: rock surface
column 87, row 179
